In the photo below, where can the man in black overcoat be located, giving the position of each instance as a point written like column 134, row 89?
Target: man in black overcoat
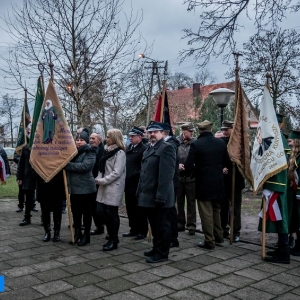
column 134, row 153
column 207, row 158
column 156, row 191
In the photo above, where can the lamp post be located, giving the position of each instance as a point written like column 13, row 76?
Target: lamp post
column 154, row 68
column 222, row 97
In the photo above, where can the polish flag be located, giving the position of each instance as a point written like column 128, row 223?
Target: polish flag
column 273, row 211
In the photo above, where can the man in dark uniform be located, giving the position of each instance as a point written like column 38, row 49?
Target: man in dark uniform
column 239, row 186
column 186, row 189
column 96, row 143
column 207, row 158
column 156, row 191
column 134, row 153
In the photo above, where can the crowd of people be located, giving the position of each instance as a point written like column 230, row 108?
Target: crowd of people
column 160, row 175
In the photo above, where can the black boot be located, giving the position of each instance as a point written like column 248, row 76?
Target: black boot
column 85, row 239
column 47, row 236
column 110, row 245
column 56, row 237
column 25, row 222
column 77, row 236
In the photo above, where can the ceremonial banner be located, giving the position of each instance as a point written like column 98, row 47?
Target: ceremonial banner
column 53, row 146
column 268, row 156
column 23, row 128
column 238, row 146
column 39, row 99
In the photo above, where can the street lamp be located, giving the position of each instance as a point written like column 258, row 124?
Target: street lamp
column 222, row 97
column 154, row 72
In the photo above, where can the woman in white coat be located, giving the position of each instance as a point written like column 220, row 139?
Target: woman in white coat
column 111, row 181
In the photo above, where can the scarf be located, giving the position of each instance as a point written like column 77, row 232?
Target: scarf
column 82, row 149
column 109, row 152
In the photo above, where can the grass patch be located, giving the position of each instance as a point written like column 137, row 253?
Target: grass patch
column 10, row 189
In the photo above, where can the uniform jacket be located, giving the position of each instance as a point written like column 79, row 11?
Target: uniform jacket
column 111, row 185
column 80, row 177
column 133, row 166
column 25, row 171
column 157, row 172
column 209, row 156
column 175, row 143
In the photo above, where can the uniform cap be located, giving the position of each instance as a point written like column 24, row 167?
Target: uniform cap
column 136, row 131
column 295, row 135
column 227, row 124
column 188, row 126
column 205, row 125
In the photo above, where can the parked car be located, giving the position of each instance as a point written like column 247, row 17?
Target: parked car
column 9, row 152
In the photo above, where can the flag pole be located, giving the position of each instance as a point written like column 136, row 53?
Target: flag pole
column 24, row 116
column 68, row 206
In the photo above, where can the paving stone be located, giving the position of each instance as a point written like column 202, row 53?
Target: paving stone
column 137, row 247
column 87, row 293
column 249, row 246
column 6, row 249
column 178, row 282
column 79, row 268
column 95, row 255
column 285, row 278
column 153, row 290
column 46, row 249
column 219, row 269
column 190, row 294
column 237, row 250
column 251, row 257
column 178, row 256
column 235, row 280
column 125, row 258
column 4, row 266
column 53, row 274
column 237, row 263
column 128, row 295
column 185, row 265
column 83, row 279
column 204, row 259
column 48, row 265
column 134, row 267
column 72, row 260
column 199, row 275
column 4, row 256
column 249, row 293
column 21, row 294
column 253, row 273
column 296, row 291
column 109, row 273
column 142, row 277
column 104, row 263
column 214, row 288
column 295, row 271
column 116, row 285
column 24, row 246
column 23, row 253
column 19, row 271
column 222, row 254
column 271, row 286
column 226, row 297
column 61, row 296
column 21, row 282
column 164, row 271
column 287, row 296
column 53, row 287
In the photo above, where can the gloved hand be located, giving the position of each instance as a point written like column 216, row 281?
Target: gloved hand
column 160, row 202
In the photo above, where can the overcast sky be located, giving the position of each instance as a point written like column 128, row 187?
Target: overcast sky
column 163, row 22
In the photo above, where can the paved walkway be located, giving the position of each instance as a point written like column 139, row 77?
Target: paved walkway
column 37, row 270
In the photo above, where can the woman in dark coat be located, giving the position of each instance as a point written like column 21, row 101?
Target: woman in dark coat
column 82, row 187
column 51, row 195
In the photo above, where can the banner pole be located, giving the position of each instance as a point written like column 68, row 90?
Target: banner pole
column 232, row 202
column 263, row 231
column 68, row 206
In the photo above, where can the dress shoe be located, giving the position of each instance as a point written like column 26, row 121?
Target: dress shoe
column 111, row 245
column 205, row 246
column 97, row 231
column 278, row 259
column 56, row 237
column 35, row 209
column 192, row 231
column 140, row 237
column 77, row 236
column 149, row 253
column 236, row 239
column 273, row 252
column 25, row 222
column 19, row 209
column 85, row 239
column 156, row 259
column 128, row 234
column 174, row 244
column 47, row 236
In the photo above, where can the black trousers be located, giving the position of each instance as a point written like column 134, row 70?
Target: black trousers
column 174, row 221
column 21, row 197
column 138, row 222
column 110, row 215
column 98, row 219
column 55, row 206
column 82, row 208
column 29, row 194
column 160, row 222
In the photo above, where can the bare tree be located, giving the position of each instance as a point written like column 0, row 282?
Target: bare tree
column 179, row 80
column 221, row 20
column 277, row 52
column 88, row 42
column 9, row 110
column 205, row 77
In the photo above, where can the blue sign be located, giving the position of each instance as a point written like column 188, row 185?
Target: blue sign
column 1, row 283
